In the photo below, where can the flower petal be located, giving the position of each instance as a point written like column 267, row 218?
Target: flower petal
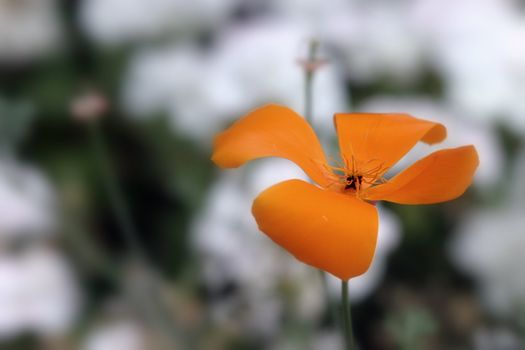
column 378, row 141
column 272, row 131
column 332, row 231
column 439, row 177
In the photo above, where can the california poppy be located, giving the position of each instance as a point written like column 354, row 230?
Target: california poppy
column 333, row 223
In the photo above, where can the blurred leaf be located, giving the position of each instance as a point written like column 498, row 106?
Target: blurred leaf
column 411, row 327
column 16, row 118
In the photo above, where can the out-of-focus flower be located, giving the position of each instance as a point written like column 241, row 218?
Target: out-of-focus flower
column 250, row 64
column 164, row 81
column 234, row 254
column 26, row 201
column 89, row 106
column 37, row 293
column 500, row 338
column 374, row 39
column 461, row 130
column 411, row 326
column 322, row 340
column 489, row 246
column 316, row 14
column 327, row 341
column 14, row 123
column 478, row 48
column 28, row 29
column 121, row 334
column 380, row 43
column 120, row 21
column 313, row 223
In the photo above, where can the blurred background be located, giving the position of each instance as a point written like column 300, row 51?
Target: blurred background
column 117, row 232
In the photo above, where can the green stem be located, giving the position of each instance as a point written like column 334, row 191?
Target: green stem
column 151, row 294
column 118, row 204
column 312, row 58
column 309, row 77
column 347, row 317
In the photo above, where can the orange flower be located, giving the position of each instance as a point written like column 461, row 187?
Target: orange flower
column 333, row 226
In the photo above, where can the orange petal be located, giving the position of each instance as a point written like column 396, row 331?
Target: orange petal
column 439, row 177
column 272, row 131
column 375, row 141
column 329, row 230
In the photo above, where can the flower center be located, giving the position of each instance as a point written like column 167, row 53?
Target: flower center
column 353, row 177
column 353, row 182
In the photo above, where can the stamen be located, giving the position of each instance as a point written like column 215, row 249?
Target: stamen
column 347, row 174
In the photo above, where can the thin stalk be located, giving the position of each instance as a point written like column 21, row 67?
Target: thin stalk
column 118, row 204
column 151, row 305
column 309, row 69
column 347, row 317
column 309, row 79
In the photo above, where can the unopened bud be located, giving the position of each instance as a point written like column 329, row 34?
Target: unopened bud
column 89, row 106
column 311, row 66
column 311, row 59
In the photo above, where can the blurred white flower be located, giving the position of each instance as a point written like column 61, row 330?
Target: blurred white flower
column 28, row 29
column 120, row 21
column 499, row 338
column 251, row 65
column 321, row 340
column 382, row 43
column 122, row 334
column 476, row 47
column 489, row 246
column 37, row 293
column 479, row 49
column 178, row 81
column 325, row 21
column 374, row 39
column 328, row 341
column 316, row 13
column 387, row 241
column 26, row 201
column 461, row 130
